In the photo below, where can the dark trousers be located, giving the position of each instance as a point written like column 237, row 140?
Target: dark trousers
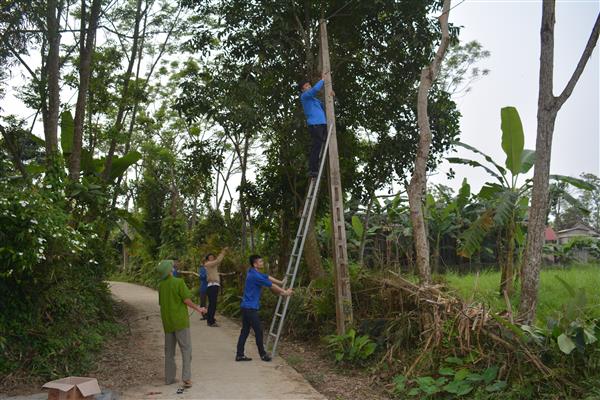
column 318, row 135
column 250, row 320
column 202, row 298
column 212, row 292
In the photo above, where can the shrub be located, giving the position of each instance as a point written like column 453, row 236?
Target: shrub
column 453, row 379
column 55, row 305
column 350, row 347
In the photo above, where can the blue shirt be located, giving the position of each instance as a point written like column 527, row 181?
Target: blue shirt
column 254, row 283
column 313, row 108
column 203, row 280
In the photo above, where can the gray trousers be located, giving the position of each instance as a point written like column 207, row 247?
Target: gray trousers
column 184, row 340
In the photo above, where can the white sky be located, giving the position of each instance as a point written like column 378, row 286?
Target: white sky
column 510, row 31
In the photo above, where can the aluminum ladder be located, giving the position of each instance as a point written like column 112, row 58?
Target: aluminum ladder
column 294, row 261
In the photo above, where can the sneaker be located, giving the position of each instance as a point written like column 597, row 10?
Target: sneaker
column 266, row 357
column 215, row 325
column 242, row 358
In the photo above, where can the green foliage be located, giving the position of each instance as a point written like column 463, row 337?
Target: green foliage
column 513, row 138
column 350, row 347
column 571, row 327
column 229, row 303
column 67, row 128
column 56, row 306
column 454, row 380
column 567, row 252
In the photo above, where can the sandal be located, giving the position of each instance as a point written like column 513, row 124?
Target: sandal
column 187, row 384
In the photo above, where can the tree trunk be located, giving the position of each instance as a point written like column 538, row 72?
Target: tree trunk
column 312, row 252
column 436, row 254
column 284, row 242
column 548, row 107
column 53, row 76
column 418, row 182
column 85, row 70
column 242, row 197
column 251, row 230
column 118, row 125
column 194, row 212
column 363, row 239
column 136, row 102
column 508, row 276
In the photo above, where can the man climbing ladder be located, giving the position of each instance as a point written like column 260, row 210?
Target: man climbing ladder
column 323, row 131
column 315, row 119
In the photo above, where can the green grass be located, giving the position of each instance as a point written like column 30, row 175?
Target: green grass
column 552, row 294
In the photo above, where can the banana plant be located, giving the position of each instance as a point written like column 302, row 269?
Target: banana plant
column 90, row 166
column 506, row 198
column 445, row 217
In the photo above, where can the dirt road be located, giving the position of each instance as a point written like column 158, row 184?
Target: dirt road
column 215, row 373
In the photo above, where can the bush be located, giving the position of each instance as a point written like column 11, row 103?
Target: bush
column 350, row 347
column 453, row 379
column 55, row 305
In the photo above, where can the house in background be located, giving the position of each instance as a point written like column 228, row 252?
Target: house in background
column 550, row 239
column 580, row 230
column 550, row 235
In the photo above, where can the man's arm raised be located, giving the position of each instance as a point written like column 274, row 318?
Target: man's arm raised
column 312, row 92
column 216, row 261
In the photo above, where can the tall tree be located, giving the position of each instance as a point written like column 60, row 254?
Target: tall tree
column 548, row 107
column 115, row 131
column 87, row 38
column 277, row 40
column 52, row 78
column 418, row 182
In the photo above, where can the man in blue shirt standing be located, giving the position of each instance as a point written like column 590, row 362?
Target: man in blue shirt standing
column 203, row 284
column 255, row 280
column 316, row 121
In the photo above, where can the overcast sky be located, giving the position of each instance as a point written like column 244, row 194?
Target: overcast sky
column 510, row 31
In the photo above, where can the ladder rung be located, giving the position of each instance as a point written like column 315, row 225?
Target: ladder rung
column 279, row 315
column 272, row 334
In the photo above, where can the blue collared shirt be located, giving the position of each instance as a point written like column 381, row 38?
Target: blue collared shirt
column 254, row 283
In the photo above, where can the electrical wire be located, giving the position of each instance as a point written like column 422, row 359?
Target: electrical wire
column 454, row 6
column 338, row 10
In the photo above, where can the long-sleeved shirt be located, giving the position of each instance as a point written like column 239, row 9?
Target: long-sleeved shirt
column 203, row 278
column 313, row 108
column 212, row 269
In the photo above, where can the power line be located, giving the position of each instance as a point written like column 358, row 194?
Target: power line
column 340, row 9
column 454, row 6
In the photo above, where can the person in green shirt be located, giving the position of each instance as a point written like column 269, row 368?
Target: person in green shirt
column 173, row 297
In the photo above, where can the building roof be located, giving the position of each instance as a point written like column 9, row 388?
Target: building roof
column 580, row 227
column 550, row 235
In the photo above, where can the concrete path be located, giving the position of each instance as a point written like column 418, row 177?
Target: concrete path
column 215, row 374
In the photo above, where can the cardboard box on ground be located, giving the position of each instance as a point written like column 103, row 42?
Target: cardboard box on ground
column 72, row 388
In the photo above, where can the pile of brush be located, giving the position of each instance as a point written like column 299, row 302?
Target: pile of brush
column 472, row 326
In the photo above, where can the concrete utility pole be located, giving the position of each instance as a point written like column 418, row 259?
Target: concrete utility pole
column 343, row 297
